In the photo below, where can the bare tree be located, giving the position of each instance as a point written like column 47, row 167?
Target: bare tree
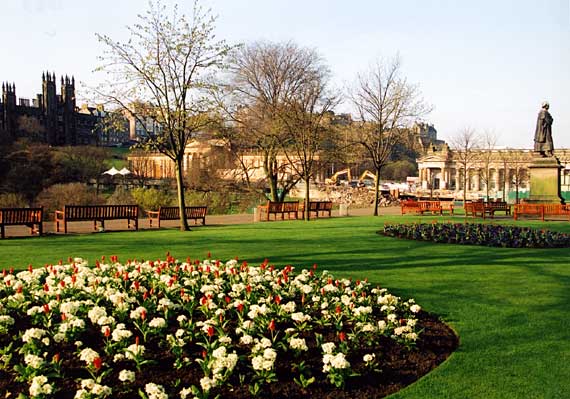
column 265, row 80
column 165, row 66
column 466, row 145
column 386, row 104
column 515, row 164
column 486, row 159
column 305, row 118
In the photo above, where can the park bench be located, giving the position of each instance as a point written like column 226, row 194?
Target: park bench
column 498, row 206
column 97, row 213
column 318, row 208
column 474, row 209
column 289, row 208
column 421, row 207
column 447, row 206
column 194, row 213
column 31, row 217
column 541, row 210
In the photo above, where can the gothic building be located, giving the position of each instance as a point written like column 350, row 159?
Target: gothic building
column 50, row 118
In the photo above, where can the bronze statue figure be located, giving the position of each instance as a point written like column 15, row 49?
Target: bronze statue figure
column 543, row 134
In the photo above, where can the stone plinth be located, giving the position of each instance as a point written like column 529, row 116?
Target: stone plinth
column 545, row 180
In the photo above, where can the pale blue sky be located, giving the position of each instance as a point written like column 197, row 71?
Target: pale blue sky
column 482, row 64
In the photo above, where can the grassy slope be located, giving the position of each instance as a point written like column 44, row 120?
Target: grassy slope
column 510, row 307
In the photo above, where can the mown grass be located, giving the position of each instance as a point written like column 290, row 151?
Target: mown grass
column 509, row 306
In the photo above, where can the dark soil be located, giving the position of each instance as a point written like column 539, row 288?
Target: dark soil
column 398, row 367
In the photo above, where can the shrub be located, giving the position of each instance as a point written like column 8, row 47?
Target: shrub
column 13, row 200
column 58, row 195
column 479, row 234
column 121, row 197
column 150, row 198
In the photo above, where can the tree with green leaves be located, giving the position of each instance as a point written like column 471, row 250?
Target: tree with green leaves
column 162, row 74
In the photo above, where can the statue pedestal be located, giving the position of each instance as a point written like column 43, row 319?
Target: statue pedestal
column 545, row 180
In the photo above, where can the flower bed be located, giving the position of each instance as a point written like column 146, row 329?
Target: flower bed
column 205, row 328
column 491, row 235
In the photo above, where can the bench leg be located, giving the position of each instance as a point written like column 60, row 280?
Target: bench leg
column 2, row 232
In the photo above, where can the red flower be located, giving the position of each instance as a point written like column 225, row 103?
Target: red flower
column 46, row 308
column 143, row 314
column 342, row 336
column 97, row 363
column 277, row 299
column 210, row 331
column 271, row 326
column 338, row 309
column 56, row 358
column 240, row 307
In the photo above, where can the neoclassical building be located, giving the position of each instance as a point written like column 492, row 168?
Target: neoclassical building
column 499, row 172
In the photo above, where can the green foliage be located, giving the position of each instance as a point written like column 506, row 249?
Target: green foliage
column 151, row 199
column 58, row 195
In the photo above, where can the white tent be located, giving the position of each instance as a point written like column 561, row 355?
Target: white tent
column 111, row 171
column 124, row 171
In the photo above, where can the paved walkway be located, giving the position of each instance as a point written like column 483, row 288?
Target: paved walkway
column 121, row 225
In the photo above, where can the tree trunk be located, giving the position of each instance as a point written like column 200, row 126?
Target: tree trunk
column 377, row 191
column 307, row 212
column 181, row 202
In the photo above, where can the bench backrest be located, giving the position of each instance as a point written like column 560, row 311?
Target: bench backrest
column 325, row 205
column 429, row 205
column 274, row 207
column 90, row 212
column 173, row 212
column 20, row 215
column 290, row 206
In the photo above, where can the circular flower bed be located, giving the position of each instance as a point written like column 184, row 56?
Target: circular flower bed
column 206, row 328
column 491, row 235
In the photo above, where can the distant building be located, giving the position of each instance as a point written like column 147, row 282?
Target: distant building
column 50, row 118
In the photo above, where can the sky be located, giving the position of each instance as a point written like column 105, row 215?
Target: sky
column 484, row 65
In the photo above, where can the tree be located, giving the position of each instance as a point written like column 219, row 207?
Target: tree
column 515, row 163
column 486, row 159
column 305, row 119
column 386, row 104
column 266, row 82
column 162, row 74
column 465, row 145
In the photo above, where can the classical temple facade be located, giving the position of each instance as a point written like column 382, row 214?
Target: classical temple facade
column 500, row 173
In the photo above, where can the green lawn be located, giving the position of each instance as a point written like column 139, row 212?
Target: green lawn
column 509, row 306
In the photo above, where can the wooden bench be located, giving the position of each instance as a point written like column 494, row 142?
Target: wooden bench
column 498, row 206
column 421, row 207
column 318, row 208
column 194, row 213
column 31, row 217
column 541, row 210
column 474, row 209
column 97, row 213
column 289, row 208
column 446, row 206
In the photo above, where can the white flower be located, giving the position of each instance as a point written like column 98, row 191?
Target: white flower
column 40, row 386
column 155, row 391
column 133, row 351
column 369, row 357
column 136, row 314
column 88, row 355
column 415, row 308
column 95, row 313
column 300, row 317
column 33, row 333
column 33, row 361
column 339, row 361
column 298, row 344
column 246, row 340
column 207, row 383
column 127, row 376
column 157, row 322
column 328, row 347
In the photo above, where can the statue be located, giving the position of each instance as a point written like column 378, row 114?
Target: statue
column 543, row 134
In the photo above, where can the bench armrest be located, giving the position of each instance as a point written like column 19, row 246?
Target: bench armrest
column 59, row 213
column 152, row 214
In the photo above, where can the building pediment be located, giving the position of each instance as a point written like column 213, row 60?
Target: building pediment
column 433, row 158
